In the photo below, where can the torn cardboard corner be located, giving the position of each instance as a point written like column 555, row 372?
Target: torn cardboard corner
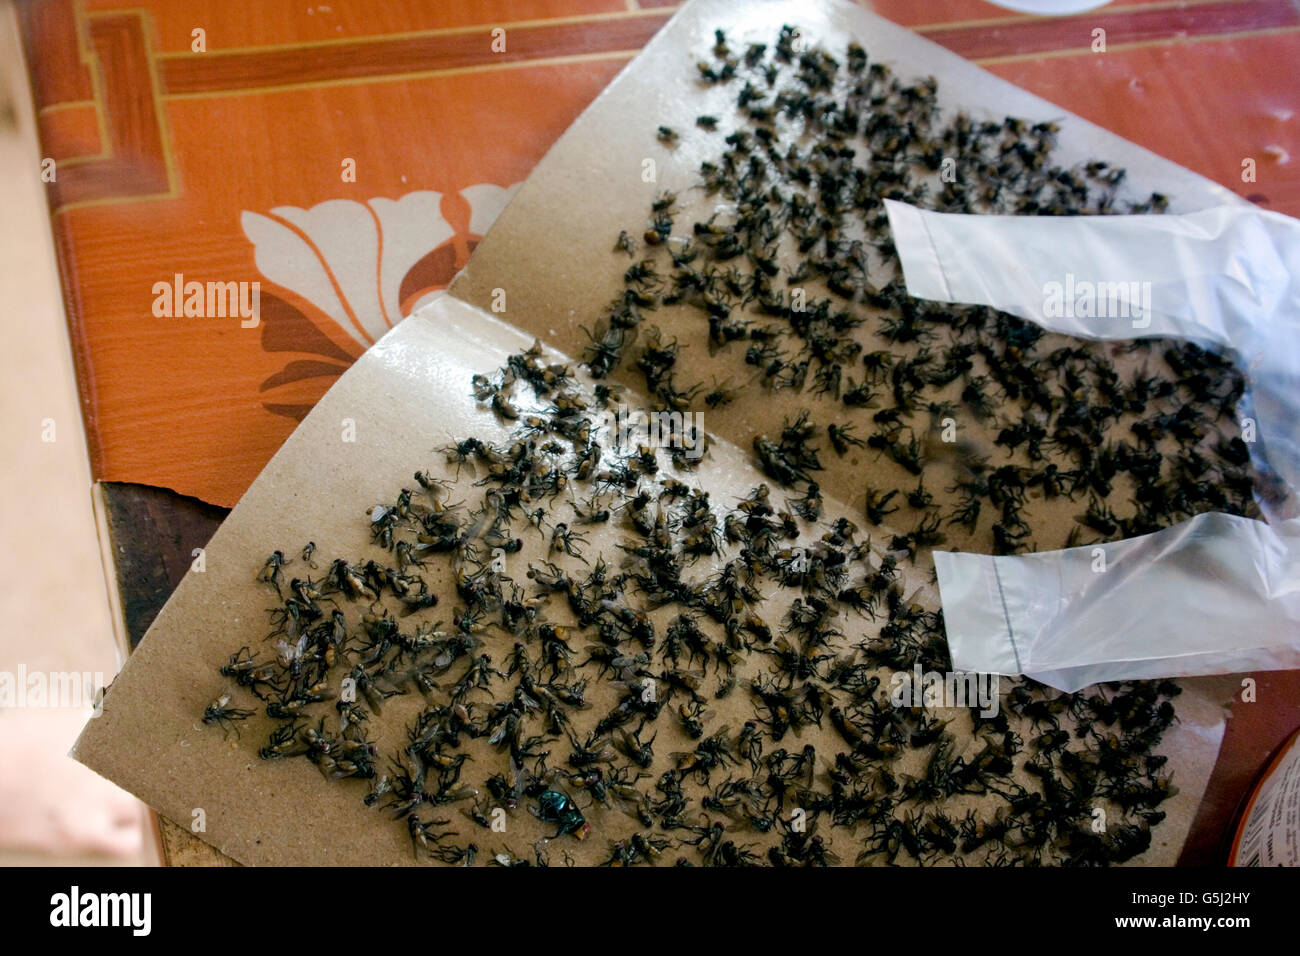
column 551, row 252
column 1214, row 594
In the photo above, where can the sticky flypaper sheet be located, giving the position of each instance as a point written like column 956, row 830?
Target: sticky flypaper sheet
column 409, row 393
column 1214, row 594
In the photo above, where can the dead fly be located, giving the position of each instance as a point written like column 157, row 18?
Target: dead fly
column 558, row 808
column 262, row 679
column 692, row 715
column 424, row 837
column 504, row 407
column 712, row 753
column 1100, row 518
column 632, row 747
column 589, row 753
column 466, row 451
column 220, row 712
column 351, row 580
column 589, row 514
column 809, row 507
column 455, row 855
column 639, row 848
column 750, row 745
column 566, row 541
column 842, row 438
column 919, row 498
column 420, row 601
column 270, row 572
column 605, row 349
column 283, row 742
column 877, row 505
column 776, row 463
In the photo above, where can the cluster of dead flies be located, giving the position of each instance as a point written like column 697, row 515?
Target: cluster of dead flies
column 666, row 624
column 671, row 622
column 804, row 165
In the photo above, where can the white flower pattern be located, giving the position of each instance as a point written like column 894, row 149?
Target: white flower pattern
column 349, row 258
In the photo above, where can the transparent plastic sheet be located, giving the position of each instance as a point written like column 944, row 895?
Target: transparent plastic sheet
column 1214, row 594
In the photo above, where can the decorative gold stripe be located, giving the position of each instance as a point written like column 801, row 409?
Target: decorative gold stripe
column 420, row 75
column 66, row 105
column 151, row 43
column 83, row 160
column 115, row 201
column 1100, row 11
column 1137, row 44
column 88, row 56
column 413, row 34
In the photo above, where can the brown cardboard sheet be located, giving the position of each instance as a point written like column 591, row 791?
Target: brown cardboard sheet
column 550, row 256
